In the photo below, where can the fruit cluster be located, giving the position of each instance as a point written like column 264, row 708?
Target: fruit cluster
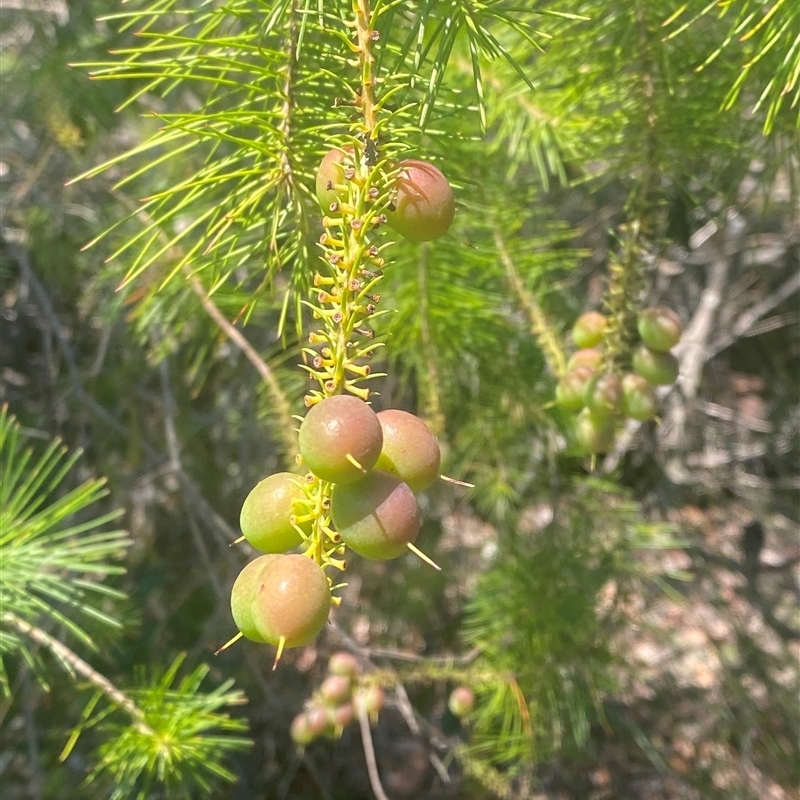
column 592, row 386
column 359, row 493
column 341, row 697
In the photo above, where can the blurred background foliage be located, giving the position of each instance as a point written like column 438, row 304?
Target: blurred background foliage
column 655, row 644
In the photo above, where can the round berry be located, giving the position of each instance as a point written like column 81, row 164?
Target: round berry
column 660, row 328
column 301, row 731
column 335, row 432
column 242, row 593
column 377, row 517
column 571, row 388
column 330, row 175
column 461, row 701
column 424, row 206
column 594, row 434
column 638, row 398
column 410, row 450
column 342, row 715
column 266, row 511
column 589, row 329
column 603, row 394
column 335, row 690
column 371, row 699
column 588, row 357
column 660, row 369
column 292, row 600
column 344, row 664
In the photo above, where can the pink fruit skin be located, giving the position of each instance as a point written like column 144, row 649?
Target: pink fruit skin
column 424, row 203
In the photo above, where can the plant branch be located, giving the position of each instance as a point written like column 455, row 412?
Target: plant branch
column 75, row 662
column 548, row 341
column 369, row 753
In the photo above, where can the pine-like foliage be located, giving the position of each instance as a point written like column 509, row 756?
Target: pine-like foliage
column 588, row 144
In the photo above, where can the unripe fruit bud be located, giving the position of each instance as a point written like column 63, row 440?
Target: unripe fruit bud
column 318, row 720
column 461, row 701
column 335, row 689
column 603, row 394
column 342, row 715
column 594, row 434
column 588, row 357
column 638, row 398
column 377, row 517
column 331, row 171
column 301, row 731
column 292, row 600
column 336, row 430
column 571, row 388
column 344, row 664
column 371, row 699
column 660, row 369
column 410, row 450
column 242, row 593
column 660, row 328
column 266, row 511
column 424, row 206
column 589, row 329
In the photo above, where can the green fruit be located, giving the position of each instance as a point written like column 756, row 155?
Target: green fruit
column 377, row 517
column 265, row 514
column 589, row 329
column 588, row 357
column 639, row 401
column 571, row 388
column 660, row 328
column 594, row 434
column 371, row 699
column 341, row 715
column 344, row 664
column 335, row 690
column 330, row 174
column 603, row 394
column 461, row 701
column 660, row 369
column 338, row 427
column 410, row 450
column 242, row 593
column 301, row 732
column 319, row 721
column 292, row 600
column 424, row 206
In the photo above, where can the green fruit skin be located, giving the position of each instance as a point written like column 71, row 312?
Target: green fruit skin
column 603, row 394
column 410, row 450
column 461, row 701
column 266, row 510
column 660, row 369
column 594, row 434
column 639, row 401
column 331, row 170
column 588, row 357
column 571, row 388
column 589, row 329
column 292, row 600
column 424, row 206
column 242, row 593
column 376, row 517
column 301, row 731
column 334, row 428
column 660, row 328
